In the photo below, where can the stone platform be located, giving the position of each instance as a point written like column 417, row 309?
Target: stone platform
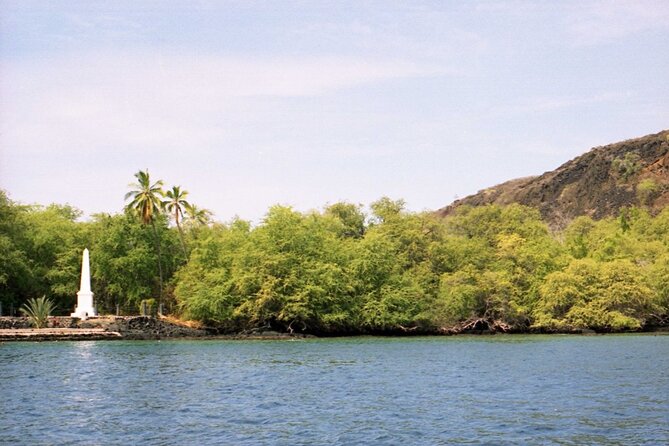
column 56, row 334
column 98, row 328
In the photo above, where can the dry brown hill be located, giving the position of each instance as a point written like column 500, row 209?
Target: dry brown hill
column 598, row 183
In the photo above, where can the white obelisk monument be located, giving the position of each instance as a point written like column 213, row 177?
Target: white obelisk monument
column 85, row 306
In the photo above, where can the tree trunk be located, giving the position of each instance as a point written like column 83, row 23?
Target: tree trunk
column 181, row 235
column 160, row 263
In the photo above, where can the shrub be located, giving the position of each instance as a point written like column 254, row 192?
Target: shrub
column 150, row 307
column 627, row 165
column 38, row 311
column 647, row 191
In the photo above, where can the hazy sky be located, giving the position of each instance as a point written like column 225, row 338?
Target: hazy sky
column 249, row 103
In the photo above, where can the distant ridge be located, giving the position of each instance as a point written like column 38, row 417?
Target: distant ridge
column 598, row 183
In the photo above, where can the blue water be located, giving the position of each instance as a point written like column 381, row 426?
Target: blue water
column 563, row 390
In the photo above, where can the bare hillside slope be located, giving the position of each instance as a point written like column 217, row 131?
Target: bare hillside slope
column 598, row 183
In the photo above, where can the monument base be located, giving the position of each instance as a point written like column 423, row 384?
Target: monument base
column 83, row 315
column 85, row 309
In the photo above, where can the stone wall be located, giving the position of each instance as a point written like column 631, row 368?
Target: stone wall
column 7, row 322
column 130, row 327
column 144, row 327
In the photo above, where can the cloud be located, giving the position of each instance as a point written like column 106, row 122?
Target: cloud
column 552, row 103
column 601, row 22
column 164, row 99
column 584, row 23
column 223, row 76
column 418, row 33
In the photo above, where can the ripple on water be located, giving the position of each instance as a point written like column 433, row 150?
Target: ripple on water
column 464, row 390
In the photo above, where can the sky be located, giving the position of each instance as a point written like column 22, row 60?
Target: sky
column 247, row 104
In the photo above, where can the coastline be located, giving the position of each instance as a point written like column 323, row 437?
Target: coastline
column 17, row 329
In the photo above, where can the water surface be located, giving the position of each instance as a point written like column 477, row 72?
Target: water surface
column 562, row 390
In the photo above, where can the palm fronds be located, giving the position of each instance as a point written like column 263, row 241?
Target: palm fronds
column 38, row 310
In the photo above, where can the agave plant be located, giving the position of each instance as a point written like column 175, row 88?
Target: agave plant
column 38, row 310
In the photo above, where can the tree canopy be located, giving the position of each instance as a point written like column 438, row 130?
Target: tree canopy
column 343, row 270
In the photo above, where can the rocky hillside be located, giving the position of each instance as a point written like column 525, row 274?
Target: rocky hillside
column 600, row 182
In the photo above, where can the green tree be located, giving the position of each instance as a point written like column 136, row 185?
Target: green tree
column 300, row 266
column 146, row 202
column 211, row 285
column 600, row 295
column 397, row 267
column 576, row 236
column 351, row 217
column 626, row 166
column 647, row 191
column 658, row 281
column 123, row 261
column 16, row 276
column 175, row 205
column 56, row 241
column 386, row 209
column 197, row 216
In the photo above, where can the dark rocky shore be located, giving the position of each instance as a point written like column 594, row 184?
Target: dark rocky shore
column 152, row 328
column 120, row 327
column 109, row 327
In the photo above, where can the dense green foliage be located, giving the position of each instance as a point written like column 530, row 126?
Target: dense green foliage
column 342, row 271
column 43, row 246
column 487, row 267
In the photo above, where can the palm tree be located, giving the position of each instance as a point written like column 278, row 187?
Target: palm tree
column 146, row 203
column 197, row 216
column 175, row 205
